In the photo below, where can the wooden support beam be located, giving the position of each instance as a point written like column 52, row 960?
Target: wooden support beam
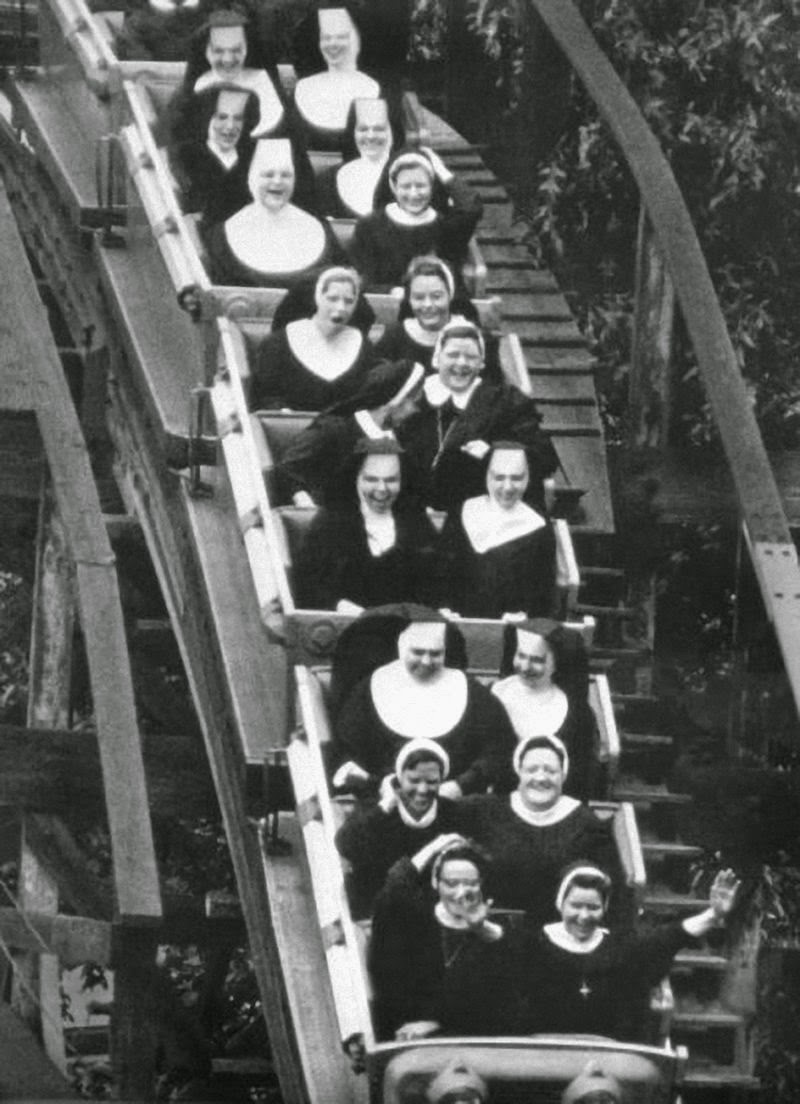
column 134, row 1014
column 50, row 667
column 650, row 399
column 769, row 539
column 31, row 371
column 53, row 772
column 73, row 940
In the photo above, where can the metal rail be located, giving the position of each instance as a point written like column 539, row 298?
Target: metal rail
column 764, row 521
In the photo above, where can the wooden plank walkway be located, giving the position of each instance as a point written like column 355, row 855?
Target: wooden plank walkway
column 533, row 307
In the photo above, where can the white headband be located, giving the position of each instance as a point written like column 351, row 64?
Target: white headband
column 458, row 322
column 558, row 746
column 337, row 273
column 431, row 749
column 410, row 161
column 441, row 268
column 580, row 872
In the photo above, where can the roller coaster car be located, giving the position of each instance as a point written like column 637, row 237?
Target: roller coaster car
column 533, row 1072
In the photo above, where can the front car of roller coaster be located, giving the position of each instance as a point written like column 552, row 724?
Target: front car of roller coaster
column 117, row 188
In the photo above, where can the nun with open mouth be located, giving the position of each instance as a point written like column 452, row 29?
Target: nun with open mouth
column 272, row 242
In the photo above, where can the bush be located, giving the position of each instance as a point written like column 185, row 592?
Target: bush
column 719, row 85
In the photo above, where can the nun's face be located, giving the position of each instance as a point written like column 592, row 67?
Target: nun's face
column 226, row 51
column 507, row 477
column 273, row 184
column 459, row 886
column 372, row 137
column 336, row 44
column 228, row 119
column 582, row 912
column 541, row 778
column 378, row 482
column 418, row 786
column 335, row 304
column 533, row 660
column 412, row 188
column 459, row 363
column 421, row 649
column 429, row 299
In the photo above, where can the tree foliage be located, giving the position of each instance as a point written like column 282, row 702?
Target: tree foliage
column 719, row 84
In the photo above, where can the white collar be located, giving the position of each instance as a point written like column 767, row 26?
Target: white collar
column 397, row 215
column 326, row 357
column 417, row 333
column 324, row 99
column 424, row 821
column 370, row 428
column 559, row 935
column 289, row 241
column 562, row 808
column 411, row 708
column 532, row 712
column 381, row 530
column 437, row 394
column 356, row 182
column 227, row 158
column 488, row 525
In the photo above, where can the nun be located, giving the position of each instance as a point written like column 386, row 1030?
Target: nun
column 544, row 688
column 439, row 963
column 348, row 190
column 212, row 160
column 412, row 223
column 227, row 50
column 376, row 546
column 314, row 362
column 582, row 978
column 500, row 551
column 271, row 242
column 535, row 831
column 310, row 471
column 408, row 816
column 322, row 100
column 460, row 414
column 418, row 695
column 429, row 301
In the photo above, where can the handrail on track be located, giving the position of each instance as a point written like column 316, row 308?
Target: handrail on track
column 255, row 513
column 764, row 521
column 150, row 160
column 91, row 48
column 317, row 819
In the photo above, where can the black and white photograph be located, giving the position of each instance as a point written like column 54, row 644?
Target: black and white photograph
column 399, row 585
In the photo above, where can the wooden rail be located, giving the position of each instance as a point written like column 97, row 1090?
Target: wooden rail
column 31, row 376
column 764, row 521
